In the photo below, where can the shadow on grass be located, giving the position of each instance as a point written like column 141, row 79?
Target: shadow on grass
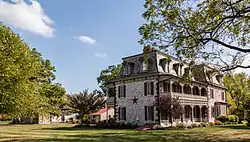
column 132, row 138
column 239, row 126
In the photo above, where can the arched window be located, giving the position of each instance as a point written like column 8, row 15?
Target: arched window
column 187, row 89
column 203, row 92
column 196, row 90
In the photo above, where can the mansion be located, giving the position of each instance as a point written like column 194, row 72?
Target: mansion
column 140, row 84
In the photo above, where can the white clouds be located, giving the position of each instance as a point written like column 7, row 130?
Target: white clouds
column 101, row 55
column 30, row 17
column 86, row 39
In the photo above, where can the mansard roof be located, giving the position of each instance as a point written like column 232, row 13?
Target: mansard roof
column 132, row 67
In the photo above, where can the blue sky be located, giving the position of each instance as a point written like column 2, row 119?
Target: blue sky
column 80, row 37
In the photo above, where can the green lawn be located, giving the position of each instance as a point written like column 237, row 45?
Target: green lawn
column 65, row 132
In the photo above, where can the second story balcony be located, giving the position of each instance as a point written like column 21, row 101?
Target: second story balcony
column 184, row 92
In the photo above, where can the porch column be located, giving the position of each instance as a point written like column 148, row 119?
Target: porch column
column 171, row 83
column 183, row 115
column 182, row 88
column 200, row 91
column 200, row 113
column 192, row 117
column 208, row 113
column 191, row 89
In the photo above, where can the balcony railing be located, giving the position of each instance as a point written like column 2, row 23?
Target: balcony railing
column 183, row 96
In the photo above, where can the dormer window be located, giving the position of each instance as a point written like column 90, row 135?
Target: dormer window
column 176, row 68
column 209, row 75
column 129, row 69
column 163, row 63
column 218, row 78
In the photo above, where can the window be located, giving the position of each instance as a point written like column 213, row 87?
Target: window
column 122, row 113
column 149, row 113
column 222, row 96
column 122, row 91
column 163, row 64
column 212, row 112
column 212, row 93
column 166, row 87
column 129, row 68
column 148, row 88
column 176, row 68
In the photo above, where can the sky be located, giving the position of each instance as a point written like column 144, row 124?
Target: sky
column 80, row 37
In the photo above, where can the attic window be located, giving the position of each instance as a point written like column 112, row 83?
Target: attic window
column 163, row 63
column 209, row 75
column 218, row 78
column 176, row 68
column 129, row 68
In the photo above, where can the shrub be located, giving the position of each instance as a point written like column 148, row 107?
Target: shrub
column 210, row 124
column 132, row 125
column 233, row 118
column 181, row 125
column 218, row 122
column 100, row 124
column 194, row 125
column 223, row 118
column 248, row 124
column 172, row 128
column 123, row 126
column 203, row 124
column 189, row 126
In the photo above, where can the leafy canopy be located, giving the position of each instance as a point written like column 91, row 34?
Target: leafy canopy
column 238, row 92
column 84, row 102
column 213, row 31
column 107, row 75
column 25, row 78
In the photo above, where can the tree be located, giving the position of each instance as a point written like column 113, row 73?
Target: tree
column 170, row 107
column 25, row 79
column 56, row 97
column 237, row 87
column 213, row 31
column 107, row 75
column 84, row 102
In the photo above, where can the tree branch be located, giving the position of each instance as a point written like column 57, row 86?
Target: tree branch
column 228, row 46
column 237, row 66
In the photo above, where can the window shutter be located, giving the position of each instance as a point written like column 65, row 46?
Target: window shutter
column 222, row 96
column 212, row 93
column 146, row 114
column 152, row 88
column 119, row 91
column 124, row 113
column 119, row 113
column 124, row 90
column 145, row 89
column 152, row 111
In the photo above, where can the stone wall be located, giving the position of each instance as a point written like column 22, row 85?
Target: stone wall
column 135, row 112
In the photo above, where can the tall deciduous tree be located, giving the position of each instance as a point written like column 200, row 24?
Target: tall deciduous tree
column 23, row 77
column 107, row 75
column 213, row 31
column 237, row 85
column 84, row 102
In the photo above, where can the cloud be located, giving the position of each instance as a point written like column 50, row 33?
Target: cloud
column 86, row 39
column 101, row 55
column 26, row 16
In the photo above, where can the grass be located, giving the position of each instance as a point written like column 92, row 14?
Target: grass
column 65, row 132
